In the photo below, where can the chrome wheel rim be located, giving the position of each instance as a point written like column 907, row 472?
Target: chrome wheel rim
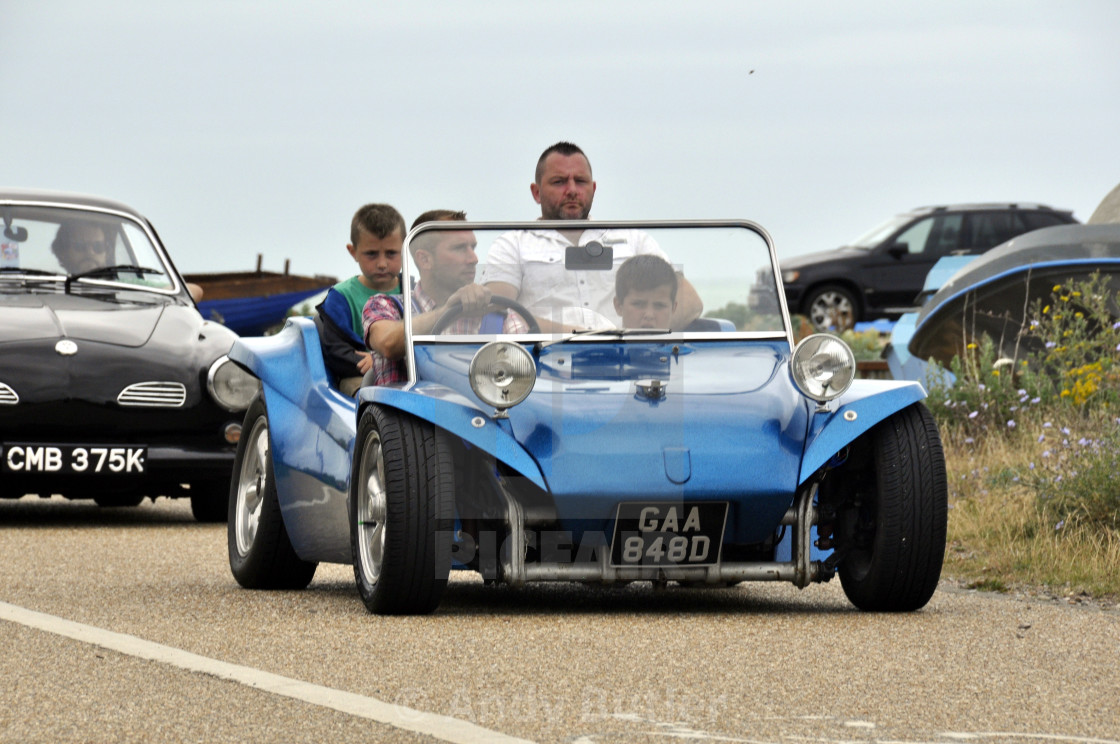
column 371, row 508
column 251, row 484
column 832, row 311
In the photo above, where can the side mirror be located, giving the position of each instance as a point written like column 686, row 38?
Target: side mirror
column 898, row 250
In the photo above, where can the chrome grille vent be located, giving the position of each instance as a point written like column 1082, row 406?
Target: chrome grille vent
column 154, row 395
column 7, row 395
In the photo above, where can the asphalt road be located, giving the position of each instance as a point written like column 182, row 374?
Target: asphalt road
column 121, row 625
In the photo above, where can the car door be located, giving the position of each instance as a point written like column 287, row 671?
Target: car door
column 898, row 266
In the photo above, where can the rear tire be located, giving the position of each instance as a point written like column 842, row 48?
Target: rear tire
column 401, row 511
column 893, row 538
column 260, row 553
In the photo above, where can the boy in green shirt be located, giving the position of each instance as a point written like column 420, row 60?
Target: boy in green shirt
column 376, row 239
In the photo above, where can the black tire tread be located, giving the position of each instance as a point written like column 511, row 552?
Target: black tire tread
column 419, row 483
column 272, row 562
column 209, row 503
column 911, row 516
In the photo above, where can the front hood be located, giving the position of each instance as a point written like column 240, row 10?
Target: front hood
column 820, row 257
column 730, row 422
column 45, row 317
column 110, row 347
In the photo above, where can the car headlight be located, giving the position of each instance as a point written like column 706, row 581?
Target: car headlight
column 502, row 374
column 231, row 386
column 791, row 276
column 822, row 367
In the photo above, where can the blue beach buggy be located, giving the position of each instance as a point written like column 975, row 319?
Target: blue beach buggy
column 707, row 455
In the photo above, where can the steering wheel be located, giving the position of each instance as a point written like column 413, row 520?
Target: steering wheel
column 456, row 309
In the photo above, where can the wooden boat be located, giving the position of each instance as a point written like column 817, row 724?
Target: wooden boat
column 251, row 302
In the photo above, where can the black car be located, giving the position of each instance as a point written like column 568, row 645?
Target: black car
column 880, row 274
column 112, row 386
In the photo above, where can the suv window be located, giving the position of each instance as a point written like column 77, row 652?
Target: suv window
column 932, row 236
column 916, row 236
column 946, row 235
column 1037, row 220
column 984, row 230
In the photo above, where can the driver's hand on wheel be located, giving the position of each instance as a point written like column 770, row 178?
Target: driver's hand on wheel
column 475, row 298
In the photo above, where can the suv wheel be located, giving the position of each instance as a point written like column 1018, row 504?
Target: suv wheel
column 832, row 307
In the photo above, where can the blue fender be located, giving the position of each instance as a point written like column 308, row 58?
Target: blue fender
column 454, row 413
column 290, row 366
column 290, row 362
column 311, row 428
column 864, row 405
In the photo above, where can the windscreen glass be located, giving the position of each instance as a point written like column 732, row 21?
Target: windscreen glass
column 80, row 245
column 695, row 279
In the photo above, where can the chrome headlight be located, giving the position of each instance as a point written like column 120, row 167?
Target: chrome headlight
column 822, row 367
column 790, row 276
column 502, row 374
column 230, row 386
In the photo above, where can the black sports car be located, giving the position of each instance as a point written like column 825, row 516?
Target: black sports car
column 112, row 386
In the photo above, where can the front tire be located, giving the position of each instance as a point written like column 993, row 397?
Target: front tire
column 210, row 500
column 832, row 308
column 401, row 511
column 893, row 532
column 260, row 553
column 111, row 499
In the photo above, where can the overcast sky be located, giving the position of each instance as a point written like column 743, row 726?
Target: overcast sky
column 245, row 127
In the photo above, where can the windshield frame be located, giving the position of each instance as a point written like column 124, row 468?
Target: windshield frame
column 177, row 286
column 631, row 335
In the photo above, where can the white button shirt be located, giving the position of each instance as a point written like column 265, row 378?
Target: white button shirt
column 533, row 262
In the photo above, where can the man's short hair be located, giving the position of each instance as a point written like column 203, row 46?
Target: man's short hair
column 567, row 149
column 379, row 220
column 424, row 241
column 644, row 272
column 439, row 215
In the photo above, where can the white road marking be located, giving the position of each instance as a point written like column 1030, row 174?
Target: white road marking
column 1021, row 735
column 440, row 727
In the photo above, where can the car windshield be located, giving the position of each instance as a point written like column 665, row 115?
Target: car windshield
column 595, row 279
column 880, row 232
column 41, row 244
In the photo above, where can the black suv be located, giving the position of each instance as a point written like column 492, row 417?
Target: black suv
column 880, row 274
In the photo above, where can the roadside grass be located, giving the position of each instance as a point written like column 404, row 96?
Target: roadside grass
column 1004, row 536
column 1032, row 448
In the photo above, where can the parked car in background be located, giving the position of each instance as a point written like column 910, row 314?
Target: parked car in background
column 880, row 274
column 112, row 386
column 700, row 456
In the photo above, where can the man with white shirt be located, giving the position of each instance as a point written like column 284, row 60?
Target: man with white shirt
column 529, row 266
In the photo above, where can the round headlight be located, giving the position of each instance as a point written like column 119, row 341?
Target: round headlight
column 823, row 367
column 231, row 386
column 502, row 374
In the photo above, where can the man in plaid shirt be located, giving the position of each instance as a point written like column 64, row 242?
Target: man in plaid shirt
column 446, row 262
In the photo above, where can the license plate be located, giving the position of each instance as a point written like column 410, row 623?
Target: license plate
column 74, row 459
column 668, row 534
